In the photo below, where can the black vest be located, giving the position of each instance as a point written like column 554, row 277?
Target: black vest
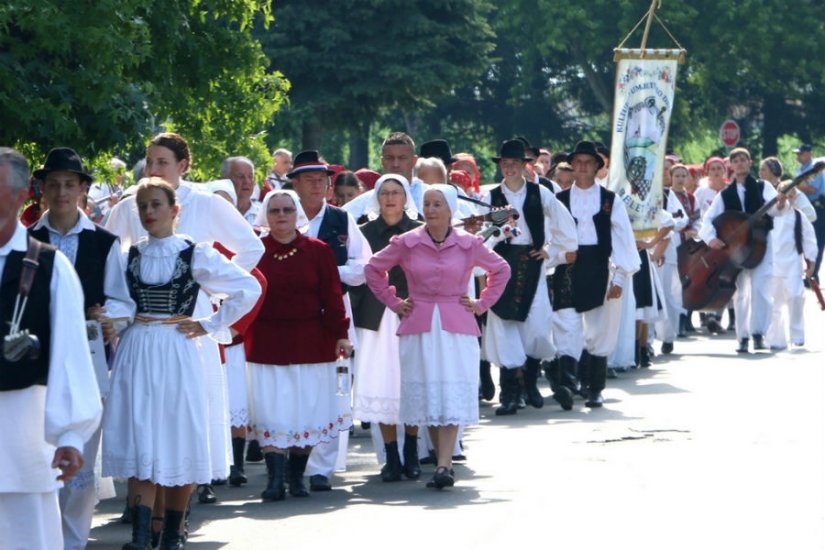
column 334, row 231
column 754, row 199
column 584, row 284
column 367, row 310
column 531, row 209
column 36, row 318
column 177, row 296
column 90, row 264
column 797, row 231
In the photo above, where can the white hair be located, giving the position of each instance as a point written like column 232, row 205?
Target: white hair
column 226, row 165
column 431, row 162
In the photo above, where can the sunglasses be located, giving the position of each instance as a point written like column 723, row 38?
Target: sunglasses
column 287, row 210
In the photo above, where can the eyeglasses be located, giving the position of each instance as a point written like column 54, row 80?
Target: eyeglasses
column 286, row 210
column 390, row 194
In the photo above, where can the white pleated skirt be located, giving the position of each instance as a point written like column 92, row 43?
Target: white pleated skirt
column 296, row 405
column 156, row 423
column 439, row 377
column 377, row 389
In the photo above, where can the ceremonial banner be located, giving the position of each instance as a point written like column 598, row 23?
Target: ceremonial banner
column 641, row 117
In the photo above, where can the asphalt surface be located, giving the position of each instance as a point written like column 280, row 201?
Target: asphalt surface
column 704, row 450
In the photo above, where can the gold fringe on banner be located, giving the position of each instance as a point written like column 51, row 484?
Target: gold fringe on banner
column 638, row 53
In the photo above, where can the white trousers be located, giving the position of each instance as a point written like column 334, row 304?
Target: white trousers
column 623, row 353
column 788, row 311
column 672, row 290
column 568, row 333
column 78, row 497
column 753, row 301
column 601, row 327
column 30, row 521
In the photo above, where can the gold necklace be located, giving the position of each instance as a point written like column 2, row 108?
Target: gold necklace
column 289, row 254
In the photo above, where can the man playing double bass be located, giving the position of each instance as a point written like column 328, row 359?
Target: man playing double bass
column 752, row 301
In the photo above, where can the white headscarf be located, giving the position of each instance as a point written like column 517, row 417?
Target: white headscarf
column 300, row 221
column 373, row 208
column 450, row 194
column 226, row 186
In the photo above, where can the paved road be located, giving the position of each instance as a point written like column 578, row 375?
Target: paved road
column 708, row 450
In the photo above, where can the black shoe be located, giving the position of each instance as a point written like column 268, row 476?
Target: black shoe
column 253, row 451
column 319, row 483
column 564, row 397
column 275, row 466
column 443, row 477
column 531, row 377
column 713, row 326
column 141, row 529
column 611, row 373
column 682, row 333
column 237, row 476
column 667, row 348
column 743, row 346
column 172, row 538
column 206, row 494
column 217, row 482
column 366, row 425
column 758, row 342
column 731, row 320
column 412, row 467
column 510, row 392
column 594, row 400
column 296, row 464
column 644, row 357
column 391, row 471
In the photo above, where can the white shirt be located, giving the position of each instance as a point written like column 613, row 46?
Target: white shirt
column 205, row 217
column 584, row 204
column 704, row 197
column 358, row 249
column 64, row 413
column 679, row 221
column 559, row 225
column 252, row 212
column 786, row 260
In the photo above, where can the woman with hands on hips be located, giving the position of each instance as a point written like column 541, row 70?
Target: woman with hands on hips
column 438, row 332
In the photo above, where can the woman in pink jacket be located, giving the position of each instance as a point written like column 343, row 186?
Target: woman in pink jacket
column 438, row 333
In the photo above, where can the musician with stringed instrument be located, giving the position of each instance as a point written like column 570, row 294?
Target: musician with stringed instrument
column 752, row 300
column 517, row 334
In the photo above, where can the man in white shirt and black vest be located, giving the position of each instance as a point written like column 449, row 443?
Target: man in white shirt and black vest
column 49, row 398
column 95, row 255
column 753, row 300
column 517, row 334
column 310, row 179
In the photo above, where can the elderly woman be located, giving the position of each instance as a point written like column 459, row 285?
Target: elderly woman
column 377, row 392
column 438, row 333
column 292, row 347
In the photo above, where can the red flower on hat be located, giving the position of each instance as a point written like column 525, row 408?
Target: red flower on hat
column 331, row 425
column 266, row 434
column 306, row 435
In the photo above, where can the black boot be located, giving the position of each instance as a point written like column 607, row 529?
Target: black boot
column 731, row 319
column 172, row 538
column 510, row 392
column 295, row 467
column 237, row 477
column 253, row 451
column 392, row 469
column 682, row 326
column 275, row 474
column 584, row 373
column 488, row 388
column 531, row 377
column 644, row 356
column 141, row 529
column 412, row 469
column 564, row 381
column 598, row 380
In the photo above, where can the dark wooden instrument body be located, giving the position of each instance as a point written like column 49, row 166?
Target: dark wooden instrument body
column 709, row 276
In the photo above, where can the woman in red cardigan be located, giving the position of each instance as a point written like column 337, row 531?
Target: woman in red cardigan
column 292, row 346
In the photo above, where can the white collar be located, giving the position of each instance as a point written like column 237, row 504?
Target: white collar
column 82, row 224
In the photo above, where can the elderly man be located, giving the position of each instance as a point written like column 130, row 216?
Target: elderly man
column 49, row 400
column 241, row 170
column 310, row 179
column 281, row 165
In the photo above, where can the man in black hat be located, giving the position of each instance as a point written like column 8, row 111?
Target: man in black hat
column 95, row 255
column 517, row 335
column 310, row 179
column 49, row 399
column 605, row 238
column 531, row 154
column 440, row 149
column 815, row 191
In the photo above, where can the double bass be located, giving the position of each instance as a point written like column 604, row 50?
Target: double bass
column 708, row 276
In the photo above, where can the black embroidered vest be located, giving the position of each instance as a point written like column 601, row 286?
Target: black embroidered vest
column 754, row 199
column 532, row 210
column 177, row 296
column 36, row 318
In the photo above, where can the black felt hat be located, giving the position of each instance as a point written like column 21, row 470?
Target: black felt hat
column 63, row 159
column 535, row 151
column 438, row 148
column 511, row 149
column 586, row 148
column 308, row 161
